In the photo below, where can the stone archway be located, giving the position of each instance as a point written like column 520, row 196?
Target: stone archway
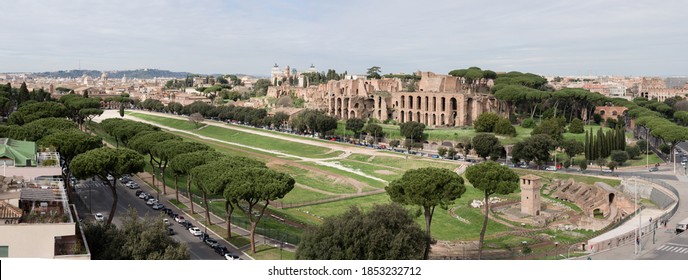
column 611, row 198
column 403, row 117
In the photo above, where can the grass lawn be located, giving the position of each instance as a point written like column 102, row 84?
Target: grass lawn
column 550, row 176
column 373, row 170
column 372, row 184
column 317, row 181
column 458, row 133
column 265, row 252
column 239, row 137
column 411, row 162
column 639, row 161
column 299, row 194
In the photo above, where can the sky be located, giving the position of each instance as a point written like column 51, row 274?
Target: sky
column 638, row 38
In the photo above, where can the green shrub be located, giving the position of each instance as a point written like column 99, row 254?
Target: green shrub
column 576, row 126
column 528, row 123
column 504, row 127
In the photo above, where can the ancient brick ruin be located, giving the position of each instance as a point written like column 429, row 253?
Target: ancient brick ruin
column 440, row 100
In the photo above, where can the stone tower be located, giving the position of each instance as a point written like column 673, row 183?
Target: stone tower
column 530, row 194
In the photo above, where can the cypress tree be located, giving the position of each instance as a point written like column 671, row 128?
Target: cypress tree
column 587, row 147
column 595, row 147
column 622, row 138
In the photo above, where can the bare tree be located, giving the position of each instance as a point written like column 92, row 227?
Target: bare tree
column 196, row 119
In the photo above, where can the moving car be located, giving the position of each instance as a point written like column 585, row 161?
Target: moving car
column 170, row 231
column 551, row 168
column 99, row 217
column 682, row 226
column 654, row 168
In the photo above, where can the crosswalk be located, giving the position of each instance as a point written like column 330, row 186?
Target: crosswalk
column 91, row 184
column 674, row 248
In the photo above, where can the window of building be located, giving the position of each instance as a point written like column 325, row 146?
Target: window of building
column 4, row 251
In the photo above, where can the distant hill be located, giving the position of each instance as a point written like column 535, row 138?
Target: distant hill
column 131, row 74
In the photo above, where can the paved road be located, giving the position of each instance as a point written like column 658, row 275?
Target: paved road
column 97, row 197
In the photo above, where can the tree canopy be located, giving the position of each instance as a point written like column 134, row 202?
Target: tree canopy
column 491, row 178
column 412, row 130
column 105, row 161
column 138, row 239
column 257, row 187
column 428, row 188
column 386, row 232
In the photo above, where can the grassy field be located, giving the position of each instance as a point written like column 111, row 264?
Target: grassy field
column 445, row 225
column 317, row 181
column 265, row 252
column 230, row 135
column 549, row 176
column 455, row 134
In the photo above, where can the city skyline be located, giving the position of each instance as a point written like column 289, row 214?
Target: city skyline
column 600, row 38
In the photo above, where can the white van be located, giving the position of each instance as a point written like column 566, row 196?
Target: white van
column 682, row 226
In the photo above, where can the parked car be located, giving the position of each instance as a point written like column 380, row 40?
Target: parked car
column 551, row 168
column 143, row 195
column 210, row 242
column 138, row 192
column 152, row 202
column 231, row 257
column 132, row 185
column 221, row 250
column 653, row 169
column 203, row 236
column 195, row 231
column 99, row 217
column 187, row 224
column 179, row 219
column 158, row 206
